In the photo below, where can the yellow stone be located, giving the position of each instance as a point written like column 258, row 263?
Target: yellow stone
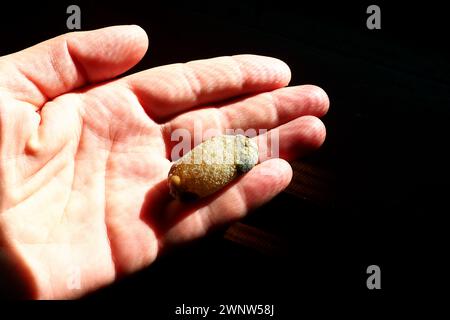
column 211, row 165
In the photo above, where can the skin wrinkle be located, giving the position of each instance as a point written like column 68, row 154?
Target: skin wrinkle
column 57, row 223
column 7, row 90
column 122, row 138
column 195, row 85
column 95, row 134
column 233, row 113
column 129, row 86
column 63, row 216
column 79, row 110
column 11, row 211
column 107, row 209
column 54, row 59
column 15, row 199
column 151, row 115
column 242, row 197
column 46, row 164
column 239, row 202
column 218, row 119
column 241, row 73
column 80, row 69
column 29, row 177
column 116, row 120
column 164, row 83
column 166, row 131
column 205, row 220
column 44, row 97
column 224, row 120
column 274, row 107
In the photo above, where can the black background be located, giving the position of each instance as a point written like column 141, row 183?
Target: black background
column 386, row 146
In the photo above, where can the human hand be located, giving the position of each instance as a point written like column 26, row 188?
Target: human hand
column 84, row 157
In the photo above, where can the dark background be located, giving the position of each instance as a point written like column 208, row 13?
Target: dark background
column 381, row 195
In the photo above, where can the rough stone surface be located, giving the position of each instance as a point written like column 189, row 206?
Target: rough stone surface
column 211, row 165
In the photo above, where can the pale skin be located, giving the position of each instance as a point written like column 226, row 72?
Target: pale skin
column 84, row 153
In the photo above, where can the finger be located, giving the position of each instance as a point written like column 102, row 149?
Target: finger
column 291, row 140
column 262, row 111
column 271, row 109
column 70, row 61
column 168, row 90
column 255, row 188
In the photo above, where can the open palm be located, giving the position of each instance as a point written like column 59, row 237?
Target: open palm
column 84, row 157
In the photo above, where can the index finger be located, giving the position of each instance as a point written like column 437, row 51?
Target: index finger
column 168, row 90
column 70, row 61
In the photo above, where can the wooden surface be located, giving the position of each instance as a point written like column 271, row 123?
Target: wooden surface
column 310, row 183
